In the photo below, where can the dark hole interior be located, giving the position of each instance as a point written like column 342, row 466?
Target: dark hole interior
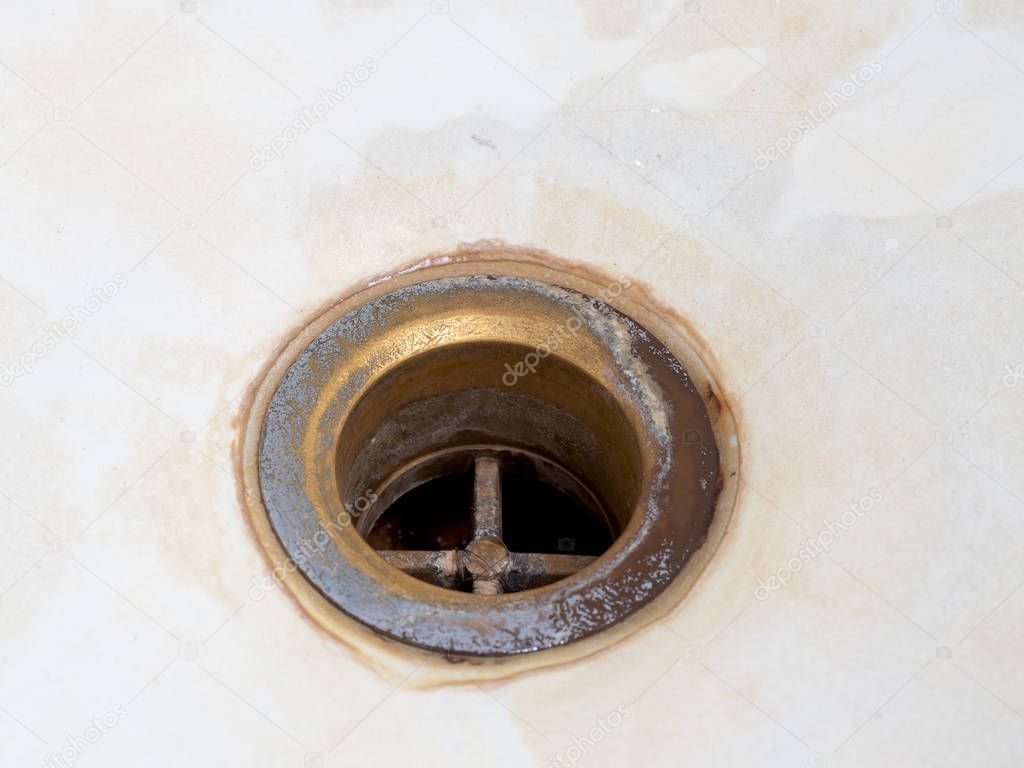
column 540, row 518
column 435, row 515
column 536, row 517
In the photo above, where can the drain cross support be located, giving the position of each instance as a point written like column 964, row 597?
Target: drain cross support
column 485, row 560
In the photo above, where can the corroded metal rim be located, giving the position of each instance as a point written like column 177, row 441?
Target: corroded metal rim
column 326, row 371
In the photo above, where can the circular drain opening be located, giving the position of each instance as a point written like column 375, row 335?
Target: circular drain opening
column 547, row 468
column 480, row 462
column 548, row 522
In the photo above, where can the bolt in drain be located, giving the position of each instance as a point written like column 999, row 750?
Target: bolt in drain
column 480, row 460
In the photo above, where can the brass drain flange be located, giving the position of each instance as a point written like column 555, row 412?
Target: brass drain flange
column 485, row 366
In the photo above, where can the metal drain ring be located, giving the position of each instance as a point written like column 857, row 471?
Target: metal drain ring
column 301, row 493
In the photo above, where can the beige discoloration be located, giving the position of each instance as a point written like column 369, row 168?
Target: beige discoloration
column 824, row 420
column 620, row 20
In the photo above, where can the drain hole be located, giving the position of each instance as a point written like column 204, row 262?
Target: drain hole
column 435, row 515
column 539, row 518
column 489, row 433
column 535, row 516
column 477, row 482
column 503, row 500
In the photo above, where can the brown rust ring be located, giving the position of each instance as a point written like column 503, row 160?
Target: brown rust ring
column 325, row 374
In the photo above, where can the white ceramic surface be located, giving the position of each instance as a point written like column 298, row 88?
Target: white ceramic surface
column 862, row 291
